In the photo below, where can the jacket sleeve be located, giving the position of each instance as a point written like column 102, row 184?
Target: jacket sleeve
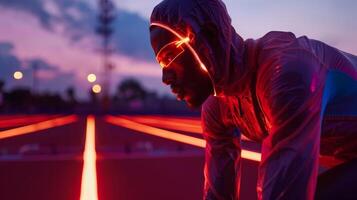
column 222, row 154
column 292, row 99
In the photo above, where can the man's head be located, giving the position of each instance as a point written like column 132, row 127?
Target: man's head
column 181, row 70
column 197, row 47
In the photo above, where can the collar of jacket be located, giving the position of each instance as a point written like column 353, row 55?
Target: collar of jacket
column 241, row 81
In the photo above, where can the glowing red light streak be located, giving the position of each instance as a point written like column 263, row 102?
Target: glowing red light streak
column 190, row 121
column 184, row 39
column 251, row 155
column 89, row 187
column 155, row 131
column 194, row 119
column 174, row 123
column 23, row 121
column 38, row 126
column 169, row 124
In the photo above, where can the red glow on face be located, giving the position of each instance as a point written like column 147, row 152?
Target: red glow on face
column 120, row 121
column 185, row 40
column 169, row 53
column 38, row 126
column 89, row 187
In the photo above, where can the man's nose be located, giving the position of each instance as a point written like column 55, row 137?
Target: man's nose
column 168, row 76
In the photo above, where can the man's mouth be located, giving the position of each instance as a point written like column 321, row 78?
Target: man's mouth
column 180, row 96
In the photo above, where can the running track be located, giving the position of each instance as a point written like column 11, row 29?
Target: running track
column 108, row 157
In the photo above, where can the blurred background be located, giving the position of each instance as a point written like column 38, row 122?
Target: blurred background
column 61, row 60
column 67, row 55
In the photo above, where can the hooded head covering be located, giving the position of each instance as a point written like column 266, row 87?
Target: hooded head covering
column 222, row 53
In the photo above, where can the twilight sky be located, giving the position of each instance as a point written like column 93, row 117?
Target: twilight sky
column 59, row 36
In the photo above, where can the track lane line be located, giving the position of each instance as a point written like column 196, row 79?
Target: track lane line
column 120, row 121
column 89, row 186
column 61, row 121
column 173, row 124
column 168, row 123
column 192, row 121
column 25, row 121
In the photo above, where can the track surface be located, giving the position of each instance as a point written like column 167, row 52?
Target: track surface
column 119, row 162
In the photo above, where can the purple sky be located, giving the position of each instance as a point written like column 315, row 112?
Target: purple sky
column 60, row 34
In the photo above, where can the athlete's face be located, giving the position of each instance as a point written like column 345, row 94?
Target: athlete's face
column 180, row 70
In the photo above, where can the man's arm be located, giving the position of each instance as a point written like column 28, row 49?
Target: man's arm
column 222, row 157
column 292, row 99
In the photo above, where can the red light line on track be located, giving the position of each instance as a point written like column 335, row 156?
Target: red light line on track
column 89, row 186
column 188, row 125
column 23, row 121
column 185, row 120
column 155, row 131
column 119, row 121
column 168, row 123
column 61, row 121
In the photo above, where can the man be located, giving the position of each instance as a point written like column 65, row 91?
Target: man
column 293, row 95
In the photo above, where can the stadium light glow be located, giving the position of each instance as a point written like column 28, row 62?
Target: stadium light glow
column 18, row 75
column 91, row 78
column 97, row 88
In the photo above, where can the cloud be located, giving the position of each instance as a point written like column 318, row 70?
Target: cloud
column 42, row 65
column 132, row 35
column 56, row 81
column 9, row 63
column 59, row 51
column 34, row 7
column 49, row 76
column 6, row 48
column 78, row 21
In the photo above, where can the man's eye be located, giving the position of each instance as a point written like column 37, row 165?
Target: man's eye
column 169, row 57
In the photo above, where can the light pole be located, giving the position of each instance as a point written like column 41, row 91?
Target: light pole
column 34, row 78
column 105, row 30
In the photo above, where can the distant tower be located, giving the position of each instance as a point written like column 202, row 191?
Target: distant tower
column 104, row 29
column 35, row 68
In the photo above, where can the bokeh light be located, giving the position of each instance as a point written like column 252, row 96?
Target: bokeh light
column 91, row 78
column 18, row 75
column 96, row 88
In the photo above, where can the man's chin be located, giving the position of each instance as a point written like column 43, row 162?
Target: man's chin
column 193, row 103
